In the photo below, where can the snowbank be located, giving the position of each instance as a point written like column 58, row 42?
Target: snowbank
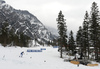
column 47, row 59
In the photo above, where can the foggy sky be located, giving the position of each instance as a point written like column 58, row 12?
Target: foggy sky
column 47, row 10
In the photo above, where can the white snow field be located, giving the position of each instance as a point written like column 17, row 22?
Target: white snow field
column 47, row 59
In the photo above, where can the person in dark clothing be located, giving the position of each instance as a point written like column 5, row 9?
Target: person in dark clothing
column 81, row 55
column 21, row 54
column 75, row 52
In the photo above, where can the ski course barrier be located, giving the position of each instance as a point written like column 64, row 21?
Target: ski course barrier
column 43, row 49
column 34, row 50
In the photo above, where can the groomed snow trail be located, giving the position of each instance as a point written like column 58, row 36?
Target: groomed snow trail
column 47, row 59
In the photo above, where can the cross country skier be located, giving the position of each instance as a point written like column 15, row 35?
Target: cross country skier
column 21, row 54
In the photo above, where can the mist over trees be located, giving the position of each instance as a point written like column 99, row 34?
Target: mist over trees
column 87, row 37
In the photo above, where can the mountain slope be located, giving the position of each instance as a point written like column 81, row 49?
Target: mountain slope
column 53, row 30
column 23, row 21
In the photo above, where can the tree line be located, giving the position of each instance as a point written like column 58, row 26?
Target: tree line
column 87, row 37
column 8, row 36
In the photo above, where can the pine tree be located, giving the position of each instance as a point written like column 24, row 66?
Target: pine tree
column 85, row 34
column 79, row 38
column 5, row 33
column 11, row 36
column 71, row 42
column 62, row 28
column 94, row 27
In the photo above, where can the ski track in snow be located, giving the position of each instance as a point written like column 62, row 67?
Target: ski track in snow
column 47, row 59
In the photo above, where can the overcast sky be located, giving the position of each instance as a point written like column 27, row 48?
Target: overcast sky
column 47, row 10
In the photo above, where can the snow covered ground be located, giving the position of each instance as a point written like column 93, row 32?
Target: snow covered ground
column 47, row 59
